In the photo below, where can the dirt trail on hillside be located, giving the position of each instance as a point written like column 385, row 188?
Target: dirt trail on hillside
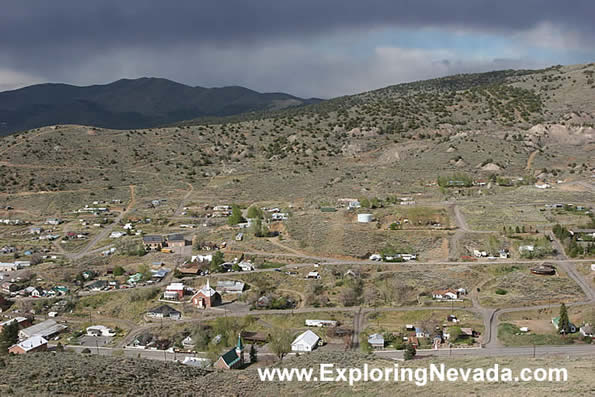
column 530, row 159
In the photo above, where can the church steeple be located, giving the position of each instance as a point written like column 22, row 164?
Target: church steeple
column 240, row 349
column 240, row 345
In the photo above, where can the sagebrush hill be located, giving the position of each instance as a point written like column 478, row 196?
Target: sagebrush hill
column 537, row 124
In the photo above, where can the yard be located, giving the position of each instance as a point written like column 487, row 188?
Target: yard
column 514, row 285
column 541, row 331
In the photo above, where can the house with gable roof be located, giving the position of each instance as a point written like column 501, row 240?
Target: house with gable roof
column 233, row 358
column 206, row 297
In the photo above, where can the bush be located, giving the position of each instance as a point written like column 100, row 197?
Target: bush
column 86, row 350
column 409, row 352
column 501, row 291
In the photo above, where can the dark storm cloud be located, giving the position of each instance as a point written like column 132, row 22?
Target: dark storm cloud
column 57, row 39
column 142, row 22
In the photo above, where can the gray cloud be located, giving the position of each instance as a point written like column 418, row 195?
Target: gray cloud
column 264, row 44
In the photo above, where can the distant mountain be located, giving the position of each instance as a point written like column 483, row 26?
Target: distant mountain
column 130, row 104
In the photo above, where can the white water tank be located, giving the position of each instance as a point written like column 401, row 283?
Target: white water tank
column 365, row 218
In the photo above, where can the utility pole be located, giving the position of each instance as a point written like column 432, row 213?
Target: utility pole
column 533, row 350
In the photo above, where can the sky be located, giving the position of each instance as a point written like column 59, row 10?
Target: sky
column 309, row 48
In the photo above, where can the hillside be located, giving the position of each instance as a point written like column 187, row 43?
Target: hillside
column 72, row 374
column 374, row 143
column 138, row 103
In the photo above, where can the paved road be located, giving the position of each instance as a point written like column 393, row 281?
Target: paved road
column 570, row 350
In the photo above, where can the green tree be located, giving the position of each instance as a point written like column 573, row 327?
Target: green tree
column 564, row 323
column 253, row 354
column 280, row 343
column 454, row 332
column 9, row 336
column 217, row 261
column 236, row 215
column 409, row 352
column 118, row 271
column 255, row 213
column 260, row 229
column 364, row 202
column 145, row 271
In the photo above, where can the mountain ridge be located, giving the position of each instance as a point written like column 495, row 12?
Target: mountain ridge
column 145, row 102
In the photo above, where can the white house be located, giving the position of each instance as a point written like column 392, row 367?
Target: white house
column 445, row 294
column 117, row 234
column 280, row 216
column 376, row 341
column 365, row 218
column 305, row 342
column 246, row 266
column 197, row 362
column 526, row 248
column 408, row 257
column 100, row 330
column 202, row 258
column 314, row 275
column 321, row 323
column 586, row 330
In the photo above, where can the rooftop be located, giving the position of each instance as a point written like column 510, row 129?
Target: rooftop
column 32, row 343
column 308, row 337
column 45, row 328
column 153, row 239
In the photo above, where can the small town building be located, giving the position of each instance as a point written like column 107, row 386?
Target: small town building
column 31, row 345
column 246, row 266
column 420, row 333
column 22, row 321
column 305, row 342
column 321, row 323
column 188, row 342
column 313, row 275
column 376, row 341
column 230, row 286
column 365, row 218
column 100, row 330
column 174, row 291
column 197, row 362
column 176, row 240
column 46, row 329
column 153, row 242
column 233, row 358
column 586, row 330
column 206, row 297
column 448, row 293
column 164, row 311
